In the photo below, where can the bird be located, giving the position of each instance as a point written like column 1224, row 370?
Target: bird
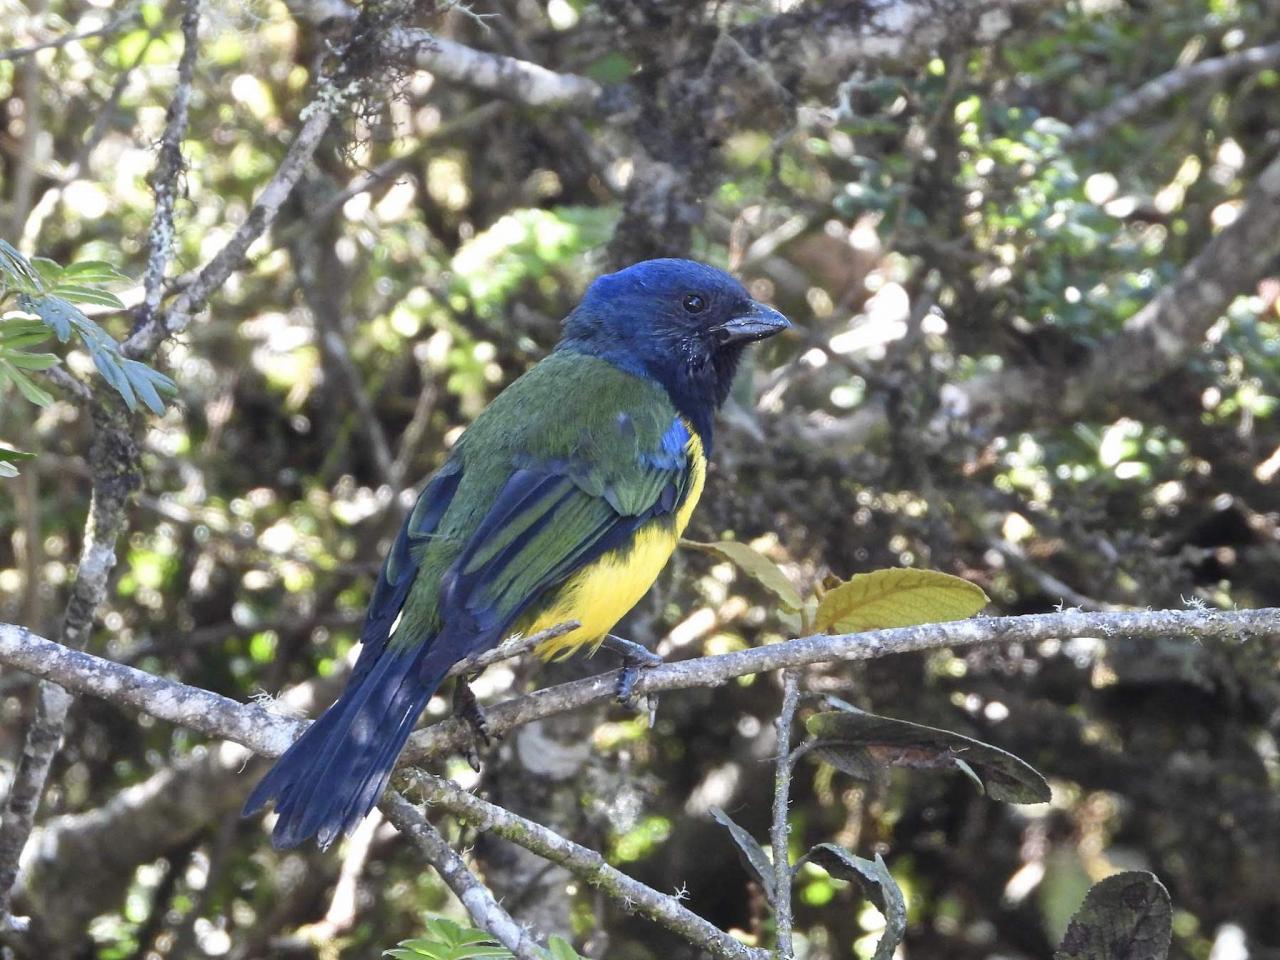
column 562, row 501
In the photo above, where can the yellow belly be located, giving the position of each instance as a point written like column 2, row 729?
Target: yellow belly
column 600, row 595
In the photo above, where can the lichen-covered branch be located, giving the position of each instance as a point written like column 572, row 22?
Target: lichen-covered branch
column 170, row 167
column 480, row 904
column 584, row 863
column 780, row 833
column 113, row 460
column 267, row 733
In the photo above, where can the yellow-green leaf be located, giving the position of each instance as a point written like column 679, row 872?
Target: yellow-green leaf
column 897, row 598
column 756, row 565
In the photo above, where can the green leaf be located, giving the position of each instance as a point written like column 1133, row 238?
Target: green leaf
column 756, row 565
column 861, row 744
column 561, row 949
column 8, row 454
column 108, row 363
column 148, row 384
column 93, row 272
column 1127, row 915
column 750, row 852
column 32, row 361
column 49, row 270
column 897, row 598
column 449, row 941
column 18, row 268
column 17, row 333
column 26, row 387
column 78, row 293
column 878, row 885
column 56, row 312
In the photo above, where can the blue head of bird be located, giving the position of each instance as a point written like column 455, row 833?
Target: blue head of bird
column 681, row 323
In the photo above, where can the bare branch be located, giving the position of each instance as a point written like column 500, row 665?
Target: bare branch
column 507, row 77
column 780, row 833
column 170, row 166
column 227, row 260
column 113, row 457
column 1155, row 92
column 267, row 733
column 479, row 901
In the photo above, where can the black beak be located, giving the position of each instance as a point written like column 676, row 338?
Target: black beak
column 756, row 323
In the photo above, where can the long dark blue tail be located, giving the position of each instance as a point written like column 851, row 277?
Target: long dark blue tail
column 332, row 776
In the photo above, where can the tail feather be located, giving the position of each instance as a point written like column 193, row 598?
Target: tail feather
column 332, row 776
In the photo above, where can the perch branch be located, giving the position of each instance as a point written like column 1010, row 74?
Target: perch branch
column 780, row 832
column 267, row 733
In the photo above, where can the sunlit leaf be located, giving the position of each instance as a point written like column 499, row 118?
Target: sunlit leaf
column 560, row 949
column 878, row 884
column 78, row 293
column 861, row 744
column 751, row 853
column 897, row 598
column 447, row 940
column 24, row 384
column 18, row 268
column 17, row 333
column 756, row 565
column 93, row 272
column 1127, row 915
column 8, row 457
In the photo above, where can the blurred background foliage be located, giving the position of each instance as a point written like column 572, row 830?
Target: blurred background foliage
column 922, row 227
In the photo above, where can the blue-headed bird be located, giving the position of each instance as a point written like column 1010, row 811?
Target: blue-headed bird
column 561, row 502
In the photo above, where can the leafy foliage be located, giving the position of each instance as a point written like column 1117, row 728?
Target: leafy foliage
column 447, row 940
column 50, row 292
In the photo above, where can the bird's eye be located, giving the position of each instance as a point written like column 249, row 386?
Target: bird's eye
column 694, row 303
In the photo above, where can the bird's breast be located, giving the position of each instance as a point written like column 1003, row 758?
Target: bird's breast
column 601, row 593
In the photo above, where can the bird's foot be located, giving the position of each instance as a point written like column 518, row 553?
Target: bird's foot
column 467, row 708
column 634, row 659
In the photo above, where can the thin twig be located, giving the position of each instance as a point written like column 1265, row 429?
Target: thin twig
column 584, row 863
column 227, row 260
column 129, row 13
column 780, row 833
column 484, row 909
